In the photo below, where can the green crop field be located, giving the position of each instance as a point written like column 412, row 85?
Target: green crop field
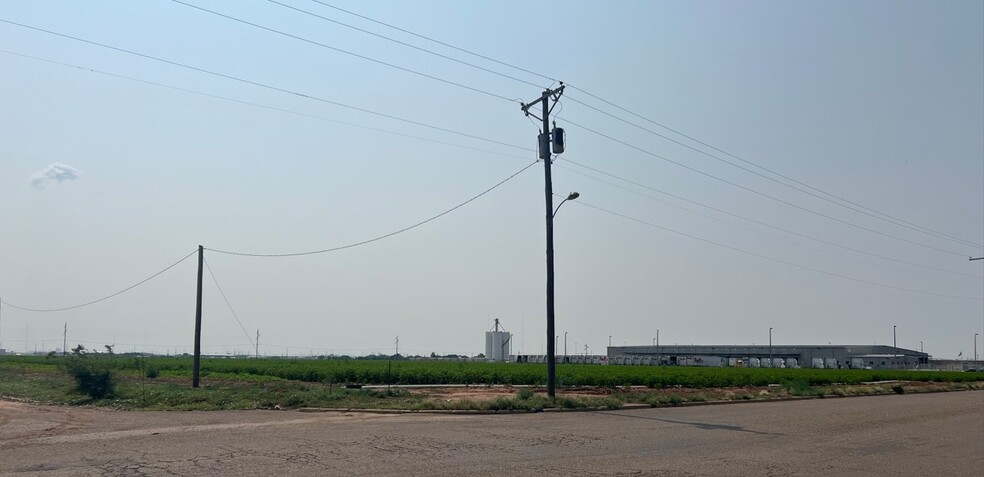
column 355, row 371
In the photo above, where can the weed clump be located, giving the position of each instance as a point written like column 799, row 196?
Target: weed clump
column 93, row 375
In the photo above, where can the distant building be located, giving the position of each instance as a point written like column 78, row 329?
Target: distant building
column 764, row 356
column 498, row 344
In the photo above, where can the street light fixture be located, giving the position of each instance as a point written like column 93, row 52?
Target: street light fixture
column 571, row 196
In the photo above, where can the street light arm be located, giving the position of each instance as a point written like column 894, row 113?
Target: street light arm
column 571, row 196
column 558, row 207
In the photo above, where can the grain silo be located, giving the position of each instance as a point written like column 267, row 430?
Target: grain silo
column 498, row 344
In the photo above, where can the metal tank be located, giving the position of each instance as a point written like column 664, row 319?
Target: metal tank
column 498, row 344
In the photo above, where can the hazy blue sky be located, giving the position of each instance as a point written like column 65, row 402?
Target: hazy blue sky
column 105, row 181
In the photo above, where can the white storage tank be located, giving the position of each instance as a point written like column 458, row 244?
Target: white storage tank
column 498, row 344
column 778, row 363
column 754, row 363
column 816, row 363
column 830, row 363
column 765, row 362
column 792, row 363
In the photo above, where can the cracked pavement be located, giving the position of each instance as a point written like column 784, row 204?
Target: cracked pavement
column 922, row 434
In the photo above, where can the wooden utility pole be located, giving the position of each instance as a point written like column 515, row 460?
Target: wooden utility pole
column 545, row 149
column 196, row 366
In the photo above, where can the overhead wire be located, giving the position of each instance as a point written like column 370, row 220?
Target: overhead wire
column 773, row 259
column 408, row 45
column 226, row 299
column 380, row 237
column 262, row 85
column 238, row 79
column 786, row 177
column 567, row 160
column 93, row 302
column 761, row 194
column 864, row 209
column 434, row 40
column 772, row 179
column 258, row 105
column 340, row 50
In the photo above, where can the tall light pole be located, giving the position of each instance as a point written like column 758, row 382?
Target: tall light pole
column 895, row 346
column 610, row 341
column 545, row 153
column 975, row 346
column 770, row 346
column 565, row 346
column 657, row 348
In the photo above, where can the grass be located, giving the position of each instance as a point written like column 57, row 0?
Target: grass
column 160, row 383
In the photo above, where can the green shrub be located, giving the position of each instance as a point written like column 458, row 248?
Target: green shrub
column 524, row 394
column 93, row 375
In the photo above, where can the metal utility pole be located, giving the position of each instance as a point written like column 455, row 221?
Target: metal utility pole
column 895, row 346
column 257, row 344
column 609, row 341
column 398, row 341
column 565, row 346
column 975, row 346
column 65, row 340
column 545, row 150
column 770, row 346
column 657, row 349
column 196, row 364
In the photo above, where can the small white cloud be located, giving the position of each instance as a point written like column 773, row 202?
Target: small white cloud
column 56, row 172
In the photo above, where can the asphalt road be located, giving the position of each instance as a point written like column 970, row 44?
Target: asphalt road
column 923, row 434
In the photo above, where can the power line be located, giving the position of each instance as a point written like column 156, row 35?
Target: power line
column 773, row 259
column 759, row 174
column 141, row 282
column 258, row 105
column 234, row 315
column 435, row 41
column 381, row 237
column 762, row 194
column 880, row 215
column 262, row 85
column 408, row 45
column 333, row 48
column 899, row 221
column 742, row 217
